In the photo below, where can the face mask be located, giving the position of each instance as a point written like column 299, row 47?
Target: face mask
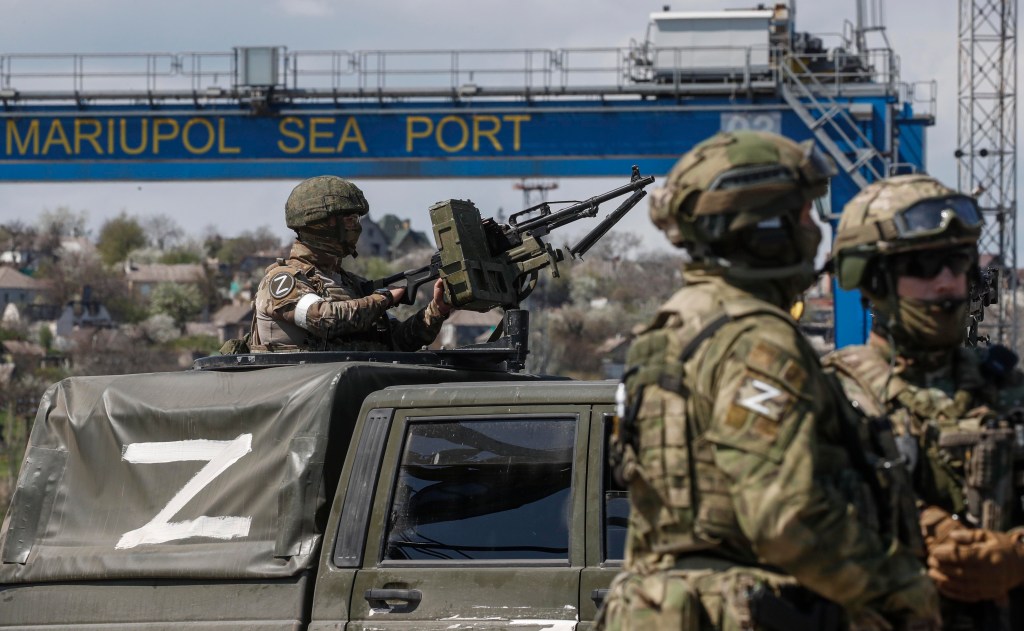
column 931, row 324
column 339, row 240
column 349, row 233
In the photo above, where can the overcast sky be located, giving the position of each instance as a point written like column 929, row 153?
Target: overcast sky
column 923, row 33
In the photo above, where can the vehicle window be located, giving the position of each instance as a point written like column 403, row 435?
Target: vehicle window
column 482, row 489
column 616, row 510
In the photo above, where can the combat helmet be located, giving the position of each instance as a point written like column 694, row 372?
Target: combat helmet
column 316, row 211
column 735, row 200
column 896, row 215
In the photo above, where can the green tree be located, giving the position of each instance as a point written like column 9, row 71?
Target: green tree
column 118, row 237
column 180, row 302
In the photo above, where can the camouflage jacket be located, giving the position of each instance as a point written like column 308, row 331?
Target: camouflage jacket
column 958, row 427
column 303, row 304
column 740, row 453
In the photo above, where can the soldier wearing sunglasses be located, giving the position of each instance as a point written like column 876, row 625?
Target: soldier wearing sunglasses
column 909, row 244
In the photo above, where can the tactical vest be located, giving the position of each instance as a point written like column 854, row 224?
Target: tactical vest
column 681, row 501
column 965, row 452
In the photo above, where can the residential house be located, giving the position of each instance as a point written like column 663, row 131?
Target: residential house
column 232, row 321
column 373, row 241
column 25, row 356
column 402, row 239
column 143, row 278
column 82, row 313
column 17, row 288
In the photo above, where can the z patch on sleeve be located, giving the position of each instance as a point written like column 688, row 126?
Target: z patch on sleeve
column 281, row 285
column 769, row 401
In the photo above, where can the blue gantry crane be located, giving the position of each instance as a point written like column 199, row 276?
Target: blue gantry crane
column 270, row 112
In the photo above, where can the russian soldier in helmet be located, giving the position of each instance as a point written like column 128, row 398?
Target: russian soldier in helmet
column 309, row 302
column 909, row 244
column 753, row 503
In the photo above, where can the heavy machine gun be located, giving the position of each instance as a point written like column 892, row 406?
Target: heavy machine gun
column 486, row 264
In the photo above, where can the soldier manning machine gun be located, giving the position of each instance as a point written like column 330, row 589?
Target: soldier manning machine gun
column 486, row 264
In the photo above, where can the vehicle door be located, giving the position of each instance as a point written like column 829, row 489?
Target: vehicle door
column 474, row 521
column 607, row 520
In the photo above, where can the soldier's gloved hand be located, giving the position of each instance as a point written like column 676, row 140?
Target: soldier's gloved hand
column 439, row 303
column 937, row 524
column 976, row 565
column 916, row 606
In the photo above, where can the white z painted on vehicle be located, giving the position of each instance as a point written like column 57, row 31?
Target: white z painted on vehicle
column 219, row 454
column 755, row 402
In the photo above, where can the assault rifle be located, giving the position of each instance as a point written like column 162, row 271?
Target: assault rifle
column 982, row 293
column 486, row 264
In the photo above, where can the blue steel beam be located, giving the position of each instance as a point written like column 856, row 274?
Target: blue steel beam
column 415, row 140
column 584, row 138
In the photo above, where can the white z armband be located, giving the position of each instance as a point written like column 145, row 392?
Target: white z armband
column 302, row 308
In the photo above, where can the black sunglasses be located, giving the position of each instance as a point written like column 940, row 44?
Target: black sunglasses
column 928, row 263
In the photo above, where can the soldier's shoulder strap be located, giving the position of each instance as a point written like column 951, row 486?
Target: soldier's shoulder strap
column 869, row 369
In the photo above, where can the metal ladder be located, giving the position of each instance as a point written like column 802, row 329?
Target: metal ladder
column 831, row 123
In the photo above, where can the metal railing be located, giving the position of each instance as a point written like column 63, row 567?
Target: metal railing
column 498, row 72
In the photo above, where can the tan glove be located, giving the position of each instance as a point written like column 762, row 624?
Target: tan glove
column 976, row 565
column 937, row 524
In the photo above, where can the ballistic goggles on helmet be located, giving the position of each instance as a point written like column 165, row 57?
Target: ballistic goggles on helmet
column 927, row 264
column 932, row 217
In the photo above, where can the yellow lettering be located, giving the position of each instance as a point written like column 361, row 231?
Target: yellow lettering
column 158, row 136
column 411, row 133
column 222, row 146
column 314, row 134
column 143, row 131
column 110, row 135
column 515, row 119
column 490, row 134
column 31, row 136
column 440, row 134
column 57, row 137
column 211, row 135
column 81, row 134
column 300, row 141
column 351, row 134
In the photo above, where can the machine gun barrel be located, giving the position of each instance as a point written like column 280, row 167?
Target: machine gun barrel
column 548, row 221
column 607, row 224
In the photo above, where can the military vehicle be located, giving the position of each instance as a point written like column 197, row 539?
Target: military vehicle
column 427, row 490
column 430, row 490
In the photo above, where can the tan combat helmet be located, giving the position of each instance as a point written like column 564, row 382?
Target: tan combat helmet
column 896, row 215
column 735, row 200
column 315, row 211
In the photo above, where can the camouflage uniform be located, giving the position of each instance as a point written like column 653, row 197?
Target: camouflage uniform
column 306, row 305
column 753, row 503
column 954, row 409
column 309, row 303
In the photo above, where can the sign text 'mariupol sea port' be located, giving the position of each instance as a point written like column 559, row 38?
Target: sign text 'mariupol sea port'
column 581, row 139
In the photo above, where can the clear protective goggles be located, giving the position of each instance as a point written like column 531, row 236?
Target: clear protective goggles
column 931, row 217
